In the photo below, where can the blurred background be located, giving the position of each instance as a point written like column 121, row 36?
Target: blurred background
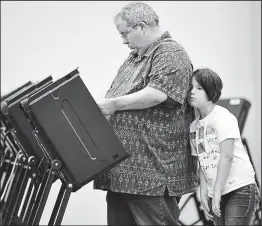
column 45, row 38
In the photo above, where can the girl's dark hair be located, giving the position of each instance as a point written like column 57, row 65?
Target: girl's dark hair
column 210, row 82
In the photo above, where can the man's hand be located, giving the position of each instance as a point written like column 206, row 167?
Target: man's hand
column 107, row 106
column 204, row 203
column 216, row 203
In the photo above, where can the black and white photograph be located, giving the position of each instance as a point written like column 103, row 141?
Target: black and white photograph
column 130, row 113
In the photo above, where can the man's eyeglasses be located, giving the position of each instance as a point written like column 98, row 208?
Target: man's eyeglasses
column 124, row 35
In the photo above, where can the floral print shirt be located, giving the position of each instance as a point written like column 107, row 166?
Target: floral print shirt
column 157, row 138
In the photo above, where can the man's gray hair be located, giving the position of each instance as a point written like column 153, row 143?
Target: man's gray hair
column 136, row 12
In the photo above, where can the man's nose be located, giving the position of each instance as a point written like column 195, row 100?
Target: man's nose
column 125, row 41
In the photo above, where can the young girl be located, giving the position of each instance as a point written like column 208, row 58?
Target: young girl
column 228, row 192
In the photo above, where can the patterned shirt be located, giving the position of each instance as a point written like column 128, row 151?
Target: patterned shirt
column 157, row 138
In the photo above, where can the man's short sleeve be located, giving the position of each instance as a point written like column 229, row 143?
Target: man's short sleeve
column 171, row 73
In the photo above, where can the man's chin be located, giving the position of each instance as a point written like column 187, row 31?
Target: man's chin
column 135, row 50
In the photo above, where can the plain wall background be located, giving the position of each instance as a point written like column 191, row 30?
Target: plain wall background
column 43, row 38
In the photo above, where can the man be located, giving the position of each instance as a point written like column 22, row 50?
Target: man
column 146, row 106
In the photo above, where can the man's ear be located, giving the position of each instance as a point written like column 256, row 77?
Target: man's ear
column 142, row 25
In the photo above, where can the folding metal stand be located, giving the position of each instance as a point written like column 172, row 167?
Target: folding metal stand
column 19, row 192
column 60, row 205
column 38, row 203
column 30, row 176
column 45, row 189
column 12, row 195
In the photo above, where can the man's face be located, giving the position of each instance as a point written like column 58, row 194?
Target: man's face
column 132, row 36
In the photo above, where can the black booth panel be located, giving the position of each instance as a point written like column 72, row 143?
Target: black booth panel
column 19, row 120
column 15, row 91
column 24, row 132
column 77, row 129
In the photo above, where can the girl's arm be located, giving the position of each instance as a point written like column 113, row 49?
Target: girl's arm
column 223, row 170
column 204, row 194
column 203, row 182
column 224, row 164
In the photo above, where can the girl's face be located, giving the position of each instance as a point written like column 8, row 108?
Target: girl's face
column 198, row 97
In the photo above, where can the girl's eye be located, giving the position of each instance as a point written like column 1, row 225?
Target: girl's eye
column 199, row 88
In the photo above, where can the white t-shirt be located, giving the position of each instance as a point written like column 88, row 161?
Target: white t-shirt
column 205, row 136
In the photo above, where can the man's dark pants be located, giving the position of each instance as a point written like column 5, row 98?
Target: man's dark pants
column 129, row 209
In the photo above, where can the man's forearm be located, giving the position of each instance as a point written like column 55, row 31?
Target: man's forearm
column 142, row 99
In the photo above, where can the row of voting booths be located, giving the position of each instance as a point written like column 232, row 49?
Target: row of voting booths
column 51, row 130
